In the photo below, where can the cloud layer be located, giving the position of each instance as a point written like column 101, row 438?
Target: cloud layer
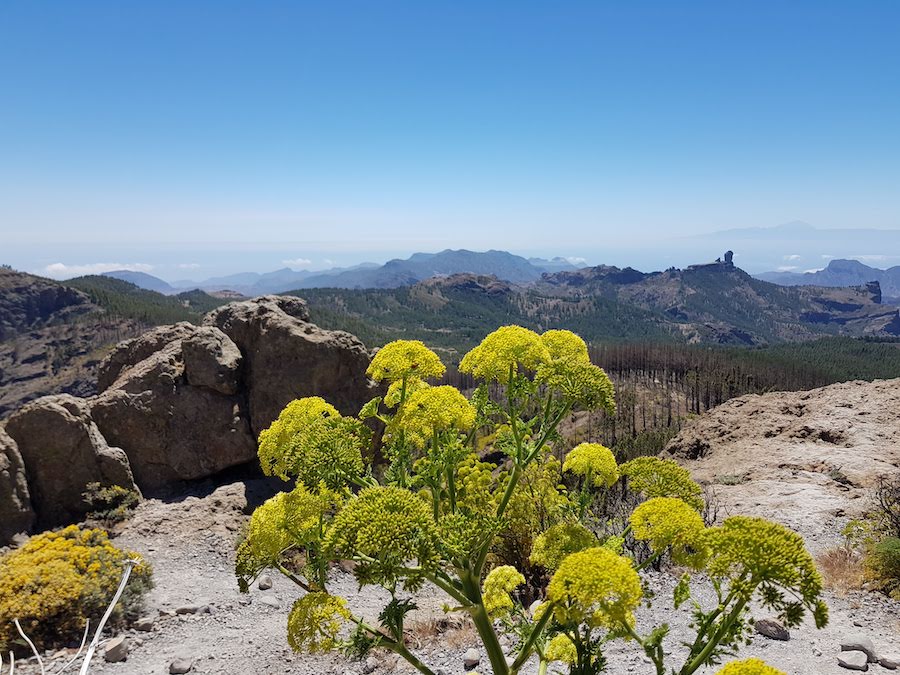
column 62, row 271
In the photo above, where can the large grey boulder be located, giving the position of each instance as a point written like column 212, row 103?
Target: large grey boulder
column 16, row 513
column 130, row 352
column 286, row 357
column 175, row 410
column 63, row 451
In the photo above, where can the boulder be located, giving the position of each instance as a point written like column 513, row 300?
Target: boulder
column 286, row 357
column 860, row 643
column 170, row 410
column 63, row 451
column 772, row 629
column 131, row 352
column 16, row 514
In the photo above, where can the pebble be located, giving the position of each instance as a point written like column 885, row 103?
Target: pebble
column 145, row 623
column 265, row 582
column 183, row 664
column 116, row 650
column 890, row 661
column 772, row 629
column 371, row 665
column 271, row 601
column 471, row 658
column 192, row 609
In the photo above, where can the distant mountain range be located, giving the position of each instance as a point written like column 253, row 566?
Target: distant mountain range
column 842, row 273
column 393, row 274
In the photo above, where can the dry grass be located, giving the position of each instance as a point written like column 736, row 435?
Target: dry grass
column 453, row 631
column 842, row 569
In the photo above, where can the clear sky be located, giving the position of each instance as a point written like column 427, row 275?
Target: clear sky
column 197, row 138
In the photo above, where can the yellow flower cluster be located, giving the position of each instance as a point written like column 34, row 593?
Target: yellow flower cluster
column 59, row 580
column 561, row 648
column 654, row 477
column 314, row 622
column 593, row 461
column 432, row 410
column 405, row 359
column 749, row 667
column 597, row 587
column 753, row 551
column 509, row 347
column 551, row 547
column 474, row 482
column 669, row 522
column 391, row 525
column 498, row 584
column 275, row 442
column 564, row 345
column 289, row 519
column 583, row 384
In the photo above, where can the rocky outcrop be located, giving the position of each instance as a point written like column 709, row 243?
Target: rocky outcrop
column 16, row 514
column 286, row 357
column 174, row 405
column 806, row 458
column 63, row 451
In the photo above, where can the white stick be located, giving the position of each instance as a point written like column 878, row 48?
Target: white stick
column 30, row 644
column 129, row 564
column 87, row 626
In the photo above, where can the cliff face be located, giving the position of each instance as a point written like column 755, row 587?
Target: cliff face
column 178, row 403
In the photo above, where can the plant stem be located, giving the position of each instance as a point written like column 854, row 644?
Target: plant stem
column 724, row 625
column 472, row 587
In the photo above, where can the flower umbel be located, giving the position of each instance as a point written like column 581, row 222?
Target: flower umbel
column 405, row 359
column 597, row 587
column 593, row 461
column 507, row 347
column 498, row 584
column 654, row 477
column 432, row 410
column 551, row 547
column 669, row 522
column 749, row 667
column 314, row 622
column 561, row 648
column 564, row 345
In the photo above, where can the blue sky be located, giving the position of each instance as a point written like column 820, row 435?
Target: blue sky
column 206, row 137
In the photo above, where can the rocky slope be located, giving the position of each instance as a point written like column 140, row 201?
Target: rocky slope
column 178, row 403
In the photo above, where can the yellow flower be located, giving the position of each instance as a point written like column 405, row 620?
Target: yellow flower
column 314, row 622
column 561, row 648
column 435, row 409
column 669, row 522
column 275, row 441
column 405, row 359
column 749, row 667
column 564, row 345
column 392, row 397
column 507, row 347
column 391, row 525
column 583, row 384
column 593, row 461
column 595, row 586
column 551, row 547
column 498, row 584
column 752, row 551
column 654, row 477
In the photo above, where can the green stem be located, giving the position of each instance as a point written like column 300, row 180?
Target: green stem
column 293, row 577
column 717, row 636
column 525, row 651
column 395, row 646
column 472, row 588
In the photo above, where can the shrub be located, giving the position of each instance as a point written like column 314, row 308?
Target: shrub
column 58, row 580
column 438, row 515
column 110, row 504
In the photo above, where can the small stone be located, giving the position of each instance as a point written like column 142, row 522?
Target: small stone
column 860, row 643
column 371, row 665
column 471, row 658
column 772, row 629
column 188, row 609
column 181, row 665
column 890, row 661
column 854, row 661
column 145, row 623
column 116, row 649
column 271, row 601
column 816, row 651
column 265, row 582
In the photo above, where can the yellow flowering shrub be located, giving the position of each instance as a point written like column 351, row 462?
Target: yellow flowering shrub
column 749, row 667
column 498, row 584
column 654, row 477
column 494, row 536
column 594, row 462
column 403, row 359
column 57, row 581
